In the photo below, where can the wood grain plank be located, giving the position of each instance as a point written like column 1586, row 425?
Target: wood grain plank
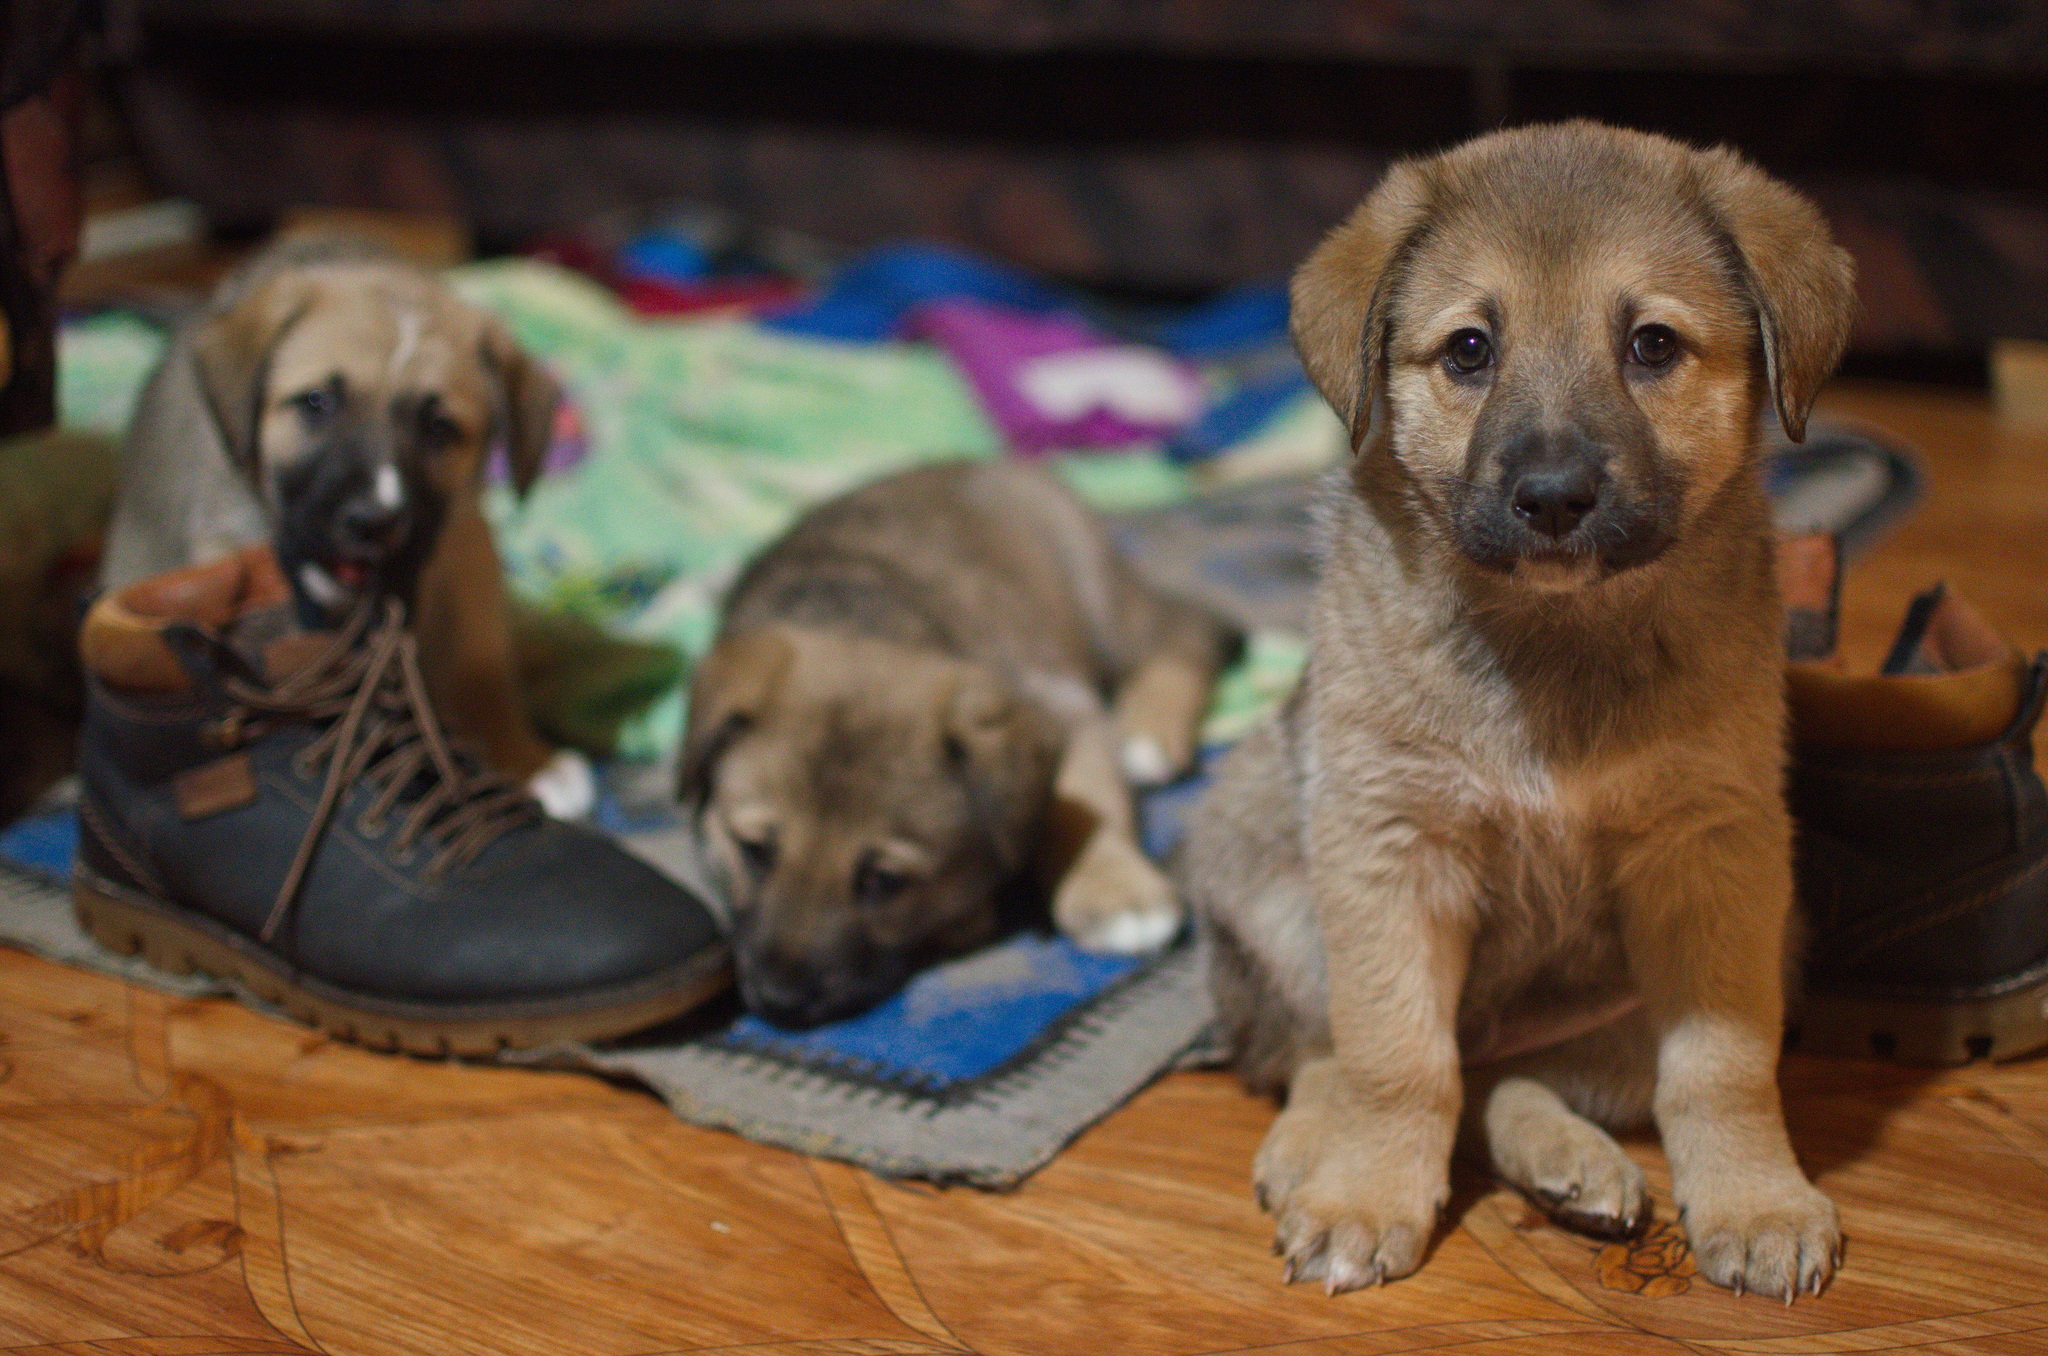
column 845, row 1189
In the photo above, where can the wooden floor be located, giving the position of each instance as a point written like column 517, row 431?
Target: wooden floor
column 186, row 1178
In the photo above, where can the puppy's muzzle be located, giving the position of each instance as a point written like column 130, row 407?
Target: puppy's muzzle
column 801, row 984
column 1552, row 485
column 1559, row 497
column 367, row 526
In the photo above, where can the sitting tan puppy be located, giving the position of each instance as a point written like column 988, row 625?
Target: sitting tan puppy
column 1524, row 813
column 341, row 404
column 927, row 693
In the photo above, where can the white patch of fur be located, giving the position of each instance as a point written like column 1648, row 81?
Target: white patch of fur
column 566, row 788
column 410, row 326
column 1144, row 762
column 389, row 489
column 1130, row 934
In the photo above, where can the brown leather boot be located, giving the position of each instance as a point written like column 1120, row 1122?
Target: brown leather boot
column 1923, row 845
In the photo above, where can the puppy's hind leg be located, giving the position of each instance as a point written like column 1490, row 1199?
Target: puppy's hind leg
column 1159, row 716
column 1111, row 898
column 1159, row 704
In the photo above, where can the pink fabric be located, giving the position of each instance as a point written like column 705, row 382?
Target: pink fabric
column 996, row 347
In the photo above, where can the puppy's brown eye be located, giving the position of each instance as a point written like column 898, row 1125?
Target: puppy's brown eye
column 874, row 886
column 759, row 855
column 1653, row 346
column 316, row 406
column 1468, row 351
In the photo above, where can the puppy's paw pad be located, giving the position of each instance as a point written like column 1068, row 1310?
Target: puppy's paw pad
column 1146, row 762
column 1130, row 934
column 567, row 787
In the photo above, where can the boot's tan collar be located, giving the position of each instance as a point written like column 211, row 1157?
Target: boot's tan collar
column 1959, row 684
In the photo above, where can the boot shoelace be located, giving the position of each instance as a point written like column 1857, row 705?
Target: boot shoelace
column 381, row 731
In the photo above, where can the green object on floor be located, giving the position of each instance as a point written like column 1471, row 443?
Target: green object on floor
column 56, row 498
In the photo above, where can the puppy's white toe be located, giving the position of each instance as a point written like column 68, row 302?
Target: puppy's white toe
column 1130, row 934
column 566, row 788
column 1145, row 763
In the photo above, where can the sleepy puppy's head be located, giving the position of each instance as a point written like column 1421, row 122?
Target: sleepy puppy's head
column 864, row 807
column 359, row 396
column 1551, row 343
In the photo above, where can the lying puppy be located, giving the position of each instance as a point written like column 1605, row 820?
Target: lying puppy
column 918, row 697
column 1525, row 811
column 341, row 404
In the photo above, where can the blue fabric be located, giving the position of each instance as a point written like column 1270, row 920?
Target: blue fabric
column 667, row 257
column 44, row 842
column 1238, row 416
column 1240, row 319
column 870, row 296
column 953, row 1023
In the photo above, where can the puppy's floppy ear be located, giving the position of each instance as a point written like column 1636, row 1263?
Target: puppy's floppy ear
column 731, row 689
column 527, row 397
column 1001, row 748
column 1802, row 284
column 1343, row 295
column 231, row 352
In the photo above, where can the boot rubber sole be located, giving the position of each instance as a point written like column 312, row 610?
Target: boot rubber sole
column 2002, row 1021
column 175, row 940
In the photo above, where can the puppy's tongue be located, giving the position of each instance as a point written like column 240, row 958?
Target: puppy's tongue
column 351, row 574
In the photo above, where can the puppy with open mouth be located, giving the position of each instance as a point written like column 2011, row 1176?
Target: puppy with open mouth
column 341, row 404
column 1516, row 854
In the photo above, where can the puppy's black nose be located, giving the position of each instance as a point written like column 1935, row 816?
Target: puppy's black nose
column 782, row 994
column 366, row 524
column 1555, row 499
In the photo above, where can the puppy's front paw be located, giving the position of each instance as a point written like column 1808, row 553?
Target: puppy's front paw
column 1113, row 899
column 1565, row 1163
column 1354, row 1204
column 1777, row 1236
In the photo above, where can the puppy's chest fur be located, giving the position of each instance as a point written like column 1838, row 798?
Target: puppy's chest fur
column 1548, row 928
column 1540, row 789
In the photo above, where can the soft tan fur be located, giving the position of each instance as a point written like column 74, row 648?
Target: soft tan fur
column 922, row 703
column 217, row 426
column 1523, row 785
